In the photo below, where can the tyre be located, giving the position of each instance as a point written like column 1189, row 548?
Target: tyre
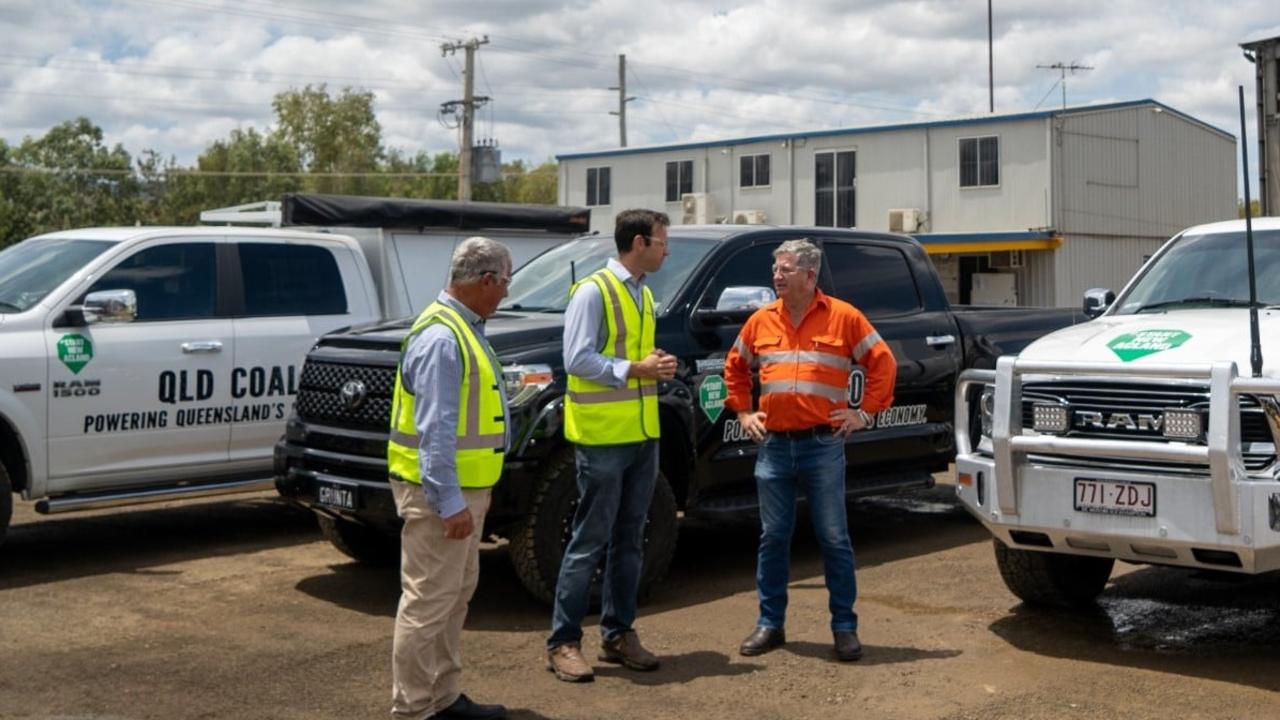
column 538, row 543
column 6, row 502
column 360, row 542
column 1052, row 579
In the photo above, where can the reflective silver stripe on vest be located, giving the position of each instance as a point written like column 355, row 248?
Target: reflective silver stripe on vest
column 744, row 351
column 619, row 321
column 472, row 439
column 617, row 395
column 816, row 357
column 865, row 346
column 404, row 439
column 805, row 387
column 495, row 441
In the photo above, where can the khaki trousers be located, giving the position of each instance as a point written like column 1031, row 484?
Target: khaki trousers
column 437, row 578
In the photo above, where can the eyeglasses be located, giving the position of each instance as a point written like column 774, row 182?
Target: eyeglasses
column 504, row 279
column 784, row 270
column 653, row 239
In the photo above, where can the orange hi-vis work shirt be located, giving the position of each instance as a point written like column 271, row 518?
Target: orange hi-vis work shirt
column 804, row 371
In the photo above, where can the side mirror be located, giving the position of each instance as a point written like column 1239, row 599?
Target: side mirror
column 112, row 306
column 1096, row 301
column 734, row 306
column 745, row 297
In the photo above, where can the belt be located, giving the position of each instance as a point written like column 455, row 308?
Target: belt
column 805, row 432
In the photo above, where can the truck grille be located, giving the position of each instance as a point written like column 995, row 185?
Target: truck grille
column 320, row 397
column 1144, row 400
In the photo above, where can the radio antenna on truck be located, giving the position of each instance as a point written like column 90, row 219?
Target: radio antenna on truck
column 1255, row 351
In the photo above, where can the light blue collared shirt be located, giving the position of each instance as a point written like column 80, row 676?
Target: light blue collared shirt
column 585, row 331
column 432, row 369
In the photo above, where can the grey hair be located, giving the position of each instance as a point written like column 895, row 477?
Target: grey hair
column 808, row 256
column 476, row 256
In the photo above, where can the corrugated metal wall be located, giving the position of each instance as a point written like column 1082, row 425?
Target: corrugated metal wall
column 1125, row 181
column 1087, row 261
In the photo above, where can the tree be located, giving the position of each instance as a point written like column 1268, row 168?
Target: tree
column 331, row 135
column 246, row 151
column 68, row 178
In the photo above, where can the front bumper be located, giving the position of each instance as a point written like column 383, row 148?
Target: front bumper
column 1183, row 531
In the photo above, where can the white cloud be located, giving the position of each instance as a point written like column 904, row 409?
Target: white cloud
column 172, row 76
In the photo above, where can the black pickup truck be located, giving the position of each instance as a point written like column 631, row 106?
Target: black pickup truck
column 333, row 455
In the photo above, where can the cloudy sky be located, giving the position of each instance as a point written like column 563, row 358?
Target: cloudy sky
column 174, row 75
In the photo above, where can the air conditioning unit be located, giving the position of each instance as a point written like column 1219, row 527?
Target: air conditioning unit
column 1006, row 259
column 750, row 217
column 904, row 220
column 695, row 209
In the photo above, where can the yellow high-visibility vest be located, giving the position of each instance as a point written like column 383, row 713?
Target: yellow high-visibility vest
column 596, row 414
column 481, row 431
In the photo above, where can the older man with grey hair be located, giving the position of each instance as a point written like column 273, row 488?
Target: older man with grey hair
column 443, row 466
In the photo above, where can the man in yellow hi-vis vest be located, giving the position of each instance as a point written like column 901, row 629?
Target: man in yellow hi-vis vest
column 448, row 437
column 611, row 416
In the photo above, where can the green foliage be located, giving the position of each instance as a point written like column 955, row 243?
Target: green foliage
column 321, row 142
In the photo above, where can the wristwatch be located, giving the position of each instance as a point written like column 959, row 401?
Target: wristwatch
column 865, row 417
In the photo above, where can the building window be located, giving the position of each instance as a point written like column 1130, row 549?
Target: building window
column 598, row 186
column 753, row 171
column 835, row 188
column 980, row 161
column 679, row 179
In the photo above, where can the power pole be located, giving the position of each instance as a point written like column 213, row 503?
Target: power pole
column 622, row 99
column 467, row 106
column 1064, row 68
column 991, row 72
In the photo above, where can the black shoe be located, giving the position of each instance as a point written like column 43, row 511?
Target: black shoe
column 762, row 640
column 847, row 646
column 464, row 709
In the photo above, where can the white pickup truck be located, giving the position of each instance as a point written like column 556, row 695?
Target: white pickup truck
column 1141, row 435
column 145, row 364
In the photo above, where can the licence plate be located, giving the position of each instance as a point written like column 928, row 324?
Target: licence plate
column 1115, row 497
column 339, row 495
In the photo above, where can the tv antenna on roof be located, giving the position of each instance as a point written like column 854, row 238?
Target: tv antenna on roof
column 1064, row 68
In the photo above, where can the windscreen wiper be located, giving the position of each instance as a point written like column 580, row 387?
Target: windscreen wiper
column 527, row 308
column 1210, row 301
column 10, row 306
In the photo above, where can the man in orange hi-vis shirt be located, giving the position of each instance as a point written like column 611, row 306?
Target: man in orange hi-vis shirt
column 805, row 345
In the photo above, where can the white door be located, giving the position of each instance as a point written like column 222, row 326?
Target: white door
column 294, row 292
column 148, row 400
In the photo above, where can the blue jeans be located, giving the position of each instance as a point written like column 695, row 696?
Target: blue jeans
column 817, row 465
column 615, row 488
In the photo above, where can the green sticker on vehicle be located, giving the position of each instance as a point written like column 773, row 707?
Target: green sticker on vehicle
column 1132, row 346
column 75, row 351
column 711, row 395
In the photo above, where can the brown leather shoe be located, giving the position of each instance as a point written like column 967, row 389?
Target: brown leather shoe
column 762, row 640
column 627, row 651
column 848, row 648
column 567, row 663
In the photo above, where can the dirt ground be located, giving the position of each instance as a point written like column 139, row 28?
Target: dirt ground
column 238, row 609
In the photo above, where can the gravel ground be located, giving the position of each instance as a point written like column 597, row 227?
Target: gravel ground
column 238, row 609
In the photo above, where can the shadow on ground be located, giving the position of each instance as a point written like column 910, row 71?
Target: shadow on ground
column 711, row 562
column 1186, row 622
column 137, row 540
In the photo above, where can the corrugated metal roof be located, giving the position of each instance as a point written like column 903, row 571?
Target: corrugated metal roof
column 967, row 120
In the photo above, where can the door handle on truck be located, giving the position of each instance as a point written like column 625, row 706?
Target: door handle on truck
column 939, row 340
column 202, row 346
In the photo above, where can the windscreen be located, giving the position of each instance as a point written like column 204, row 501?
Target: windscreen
column 32, row 269
column 1207, row 270
column 543, row 284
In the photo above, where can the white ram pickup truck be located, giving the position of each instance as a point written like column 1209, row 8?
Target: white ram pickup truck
column 144, row 364
column 1142, row 435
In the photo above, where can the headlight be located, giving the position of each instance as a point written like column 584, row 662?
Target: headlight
column 524, row 382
